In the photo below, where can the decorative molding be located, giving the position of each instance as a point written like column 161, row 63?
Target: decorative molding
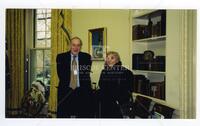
column 187, row 64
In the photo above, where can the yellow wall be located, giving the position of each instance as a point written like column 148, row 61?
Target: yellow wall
column 173, row 50
column 118, row 33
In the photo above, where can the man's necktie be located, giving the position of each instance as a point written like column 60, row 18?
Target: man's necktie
column 73, row 80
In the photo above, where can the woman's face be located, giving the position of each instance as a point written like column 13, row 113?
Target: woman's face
column 111, row 60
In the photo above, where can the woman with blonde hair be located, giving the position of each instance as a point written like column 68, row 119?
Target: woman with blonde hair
column 116, row 85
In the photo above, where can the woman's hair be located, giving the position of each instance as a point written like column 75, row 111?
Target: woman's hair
column 116, row 54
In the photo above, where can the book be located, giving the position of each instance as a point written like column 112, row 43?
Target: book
column 157, row 90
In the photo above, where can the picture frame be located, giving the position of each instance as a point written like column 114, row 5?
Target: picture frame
column 97, row 43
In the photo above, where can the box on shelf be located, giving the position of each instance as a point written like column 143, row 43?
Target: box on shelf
column 156, row 64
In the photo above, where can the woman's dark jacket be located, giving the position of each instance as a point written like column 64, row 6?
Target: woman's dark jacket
column 116, row 85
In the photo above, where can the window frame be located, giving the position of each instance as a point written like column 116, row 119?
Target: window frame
column 33, row 47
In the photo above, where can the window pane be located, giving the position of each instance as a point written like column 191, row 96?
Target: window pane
column 40, row 16
column 48, row 34
column 48, row 25
column 49, row 15
column 40, row 65
column 40, row 35
column 36, row 58
column 39, row 11
column 36, row 64
column 41, row 25
column 43, row 28
column 47, row 75
column 48, row 43
column 47, row 57
column 39, row 73
column 40, row 44
column 39, row 58
column 48, row 11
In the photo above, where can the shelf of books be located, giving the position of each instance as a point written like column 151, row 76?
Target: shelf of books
column 148, row 71
column 154, row 99
column 152, row 39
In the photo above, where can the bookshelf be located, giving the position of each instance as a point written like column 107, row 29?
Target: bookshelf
column 148, row 71
column 172, row 46
column 152, row 39
column 154, row 99
column 149, row 33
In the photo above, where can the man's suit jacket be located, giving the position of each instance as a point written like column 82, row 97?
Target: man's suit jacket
column 63, row 70
column 64, row 66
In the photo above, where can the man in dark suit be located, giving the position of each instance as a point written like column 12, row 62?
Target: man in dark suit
column 74, row 91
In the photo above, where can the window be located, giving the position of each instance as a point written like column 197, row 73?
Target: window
column 40, row 53
column 43, row 28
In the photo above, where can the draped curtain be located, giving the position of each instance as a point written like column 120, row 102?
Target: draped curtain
column 61, row 28
column 15, row 39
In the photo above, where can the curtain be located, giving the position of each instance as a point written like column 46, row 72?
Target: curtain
column 15, row 39
column 61, row 28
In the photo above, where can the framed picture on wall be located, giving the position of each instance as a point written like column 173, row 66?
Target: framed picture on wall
column 97, row 43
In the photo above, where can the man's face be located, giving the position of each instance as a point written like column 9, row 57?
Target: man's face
column 75, row 46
